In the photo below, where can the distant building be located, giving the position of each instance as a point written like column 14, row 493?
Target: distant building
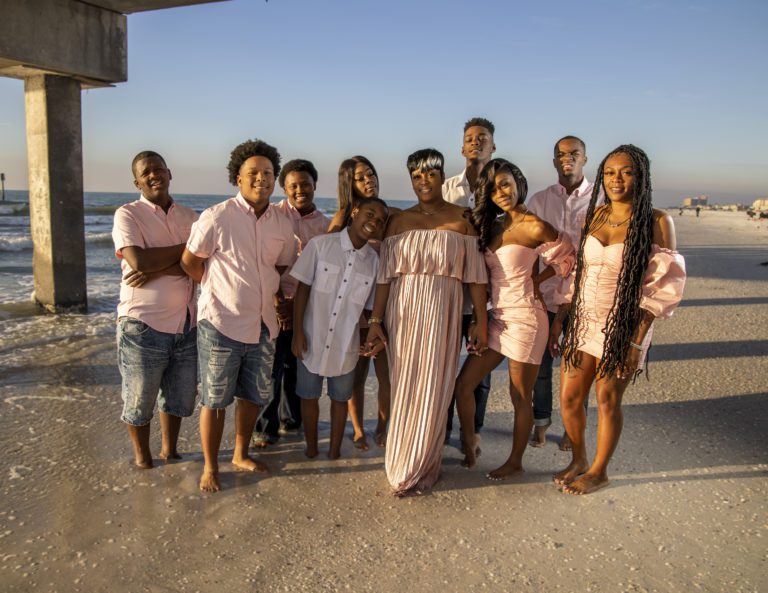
column 760, row 204
column 697, row 201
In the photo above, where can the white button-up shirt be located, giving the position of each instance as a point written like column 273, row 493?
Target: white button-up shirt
column 342, row 280
column 456, row 190
column 566, row 212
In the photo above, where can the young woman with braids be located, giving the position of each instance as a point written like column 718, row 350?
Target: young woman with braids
column 511, row 239
column 628, row 273
column 358, row 179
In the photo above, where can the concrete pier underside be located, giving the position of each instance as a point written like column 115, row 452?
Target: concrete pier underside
column 58, row 47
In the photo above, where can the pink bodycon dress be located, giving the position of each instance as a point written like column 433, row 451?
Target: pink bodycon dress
column 662, row 290
column 519, row 327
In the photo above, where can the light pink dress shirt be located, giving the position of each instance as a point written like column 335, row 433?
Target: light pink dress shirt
column 304, row 227
column 567, row 214
column 162, row 303
column 240, row 279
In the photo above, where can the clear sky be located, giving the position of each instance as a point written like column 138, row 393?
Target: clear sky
column 686, row 81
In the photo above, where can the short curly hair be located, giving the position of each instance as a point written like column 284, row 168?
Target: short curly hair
column 242, row 152
column 298, row 166
column 482, row 122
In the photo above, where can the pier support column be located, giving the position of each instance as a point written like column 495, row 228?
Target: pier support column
column 55, row 154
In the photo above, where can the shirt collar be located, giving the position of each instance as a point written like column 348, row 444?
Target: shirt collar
column 243, row 203
column 152, row 205
column 346, row 243
column 298, row 215
column 584, row 188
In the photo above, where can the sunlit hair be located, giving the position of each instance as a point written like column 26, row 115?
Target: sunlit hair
column 486, row 211
column 145, row 154
column 576, row 138
column 426, row 159
column 297, row 166
column 249, row 148
column 625, row 314
column 482, row 122
column 346, row 191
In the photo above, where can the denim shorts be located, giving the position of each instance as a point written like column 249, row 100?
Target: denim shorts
column 155, row 366
column 310, row 386
column 230, row 369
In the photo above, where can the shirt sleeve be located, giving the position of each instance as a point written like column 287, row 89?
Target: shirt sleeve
column 664, row 282
column 534, row 205
column 202, row 238
column 126, row 232
column 304, row 268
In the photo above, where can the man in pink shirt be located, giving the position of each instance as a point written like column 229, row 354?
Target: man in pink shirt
column 564, row 206
column 237, row 251
column 298, row 178
column 156, row 336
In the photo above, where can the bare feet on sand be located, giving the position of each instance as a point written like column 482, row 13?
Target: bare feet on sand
column 169, row 456
column 381, row 434
column 570, row 473
column 586, row 484
column 311, row 452
column 539, row 435
column 334, row 454
column 565, row 443
column 143, row 462
column 209, row 481
column 360, row 442
column 246, row 464
column 506, row 471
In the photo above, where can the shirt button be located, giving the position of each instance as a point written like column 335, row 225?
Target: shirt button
column 327, row 347
column 326, row 269
column 345, row 279
column 349, row 264
column 334, row 314
column 339, row 296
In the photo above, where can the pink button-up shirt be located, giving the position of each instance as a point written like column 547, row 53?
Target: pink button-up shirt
column 304, row 227
column 240, row 279
column 567, row 214
column 164, row 302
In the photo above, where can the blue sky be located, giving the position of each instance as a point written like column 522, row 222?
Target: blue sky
column 686, row 81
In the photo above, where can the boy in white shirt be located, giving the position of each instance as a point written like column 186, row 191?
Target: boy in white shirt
column 337, row 276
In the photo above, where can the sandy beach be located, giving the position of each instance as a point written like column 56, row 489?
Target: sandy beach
column 685, row 511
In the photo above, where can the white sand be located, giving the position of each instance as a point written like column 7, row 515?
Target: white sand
column 686, row 510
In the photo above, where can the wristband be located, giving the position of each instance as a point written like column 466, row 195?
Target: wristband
column 636, row 346
column 375, row 320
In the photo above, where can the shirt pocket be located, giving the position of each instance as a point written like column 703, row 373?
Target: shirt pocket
column 361, row 288
column 326, row 276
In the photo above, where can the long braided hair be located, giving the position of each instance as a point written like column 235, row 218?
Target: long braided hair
column 346, row 191
column 486, row 212
column 625, row 313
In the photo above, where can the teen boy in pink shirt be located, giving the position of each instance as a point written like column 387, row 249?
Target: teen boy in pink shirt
column 156, row 316
column 237, row 251
column 298, row 178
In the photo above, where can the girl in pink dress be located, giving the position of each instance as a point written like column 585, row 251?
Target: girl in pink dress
column 512, row 240
column 628, row 274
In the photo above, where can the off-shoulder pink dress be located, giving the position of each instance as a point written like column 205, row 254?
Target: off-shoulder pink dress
column 662, row 290
column 425, row 270
column 519, row 327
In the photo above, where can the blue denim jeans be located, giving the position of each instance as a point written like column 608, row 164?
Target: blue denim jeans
column 230, row 369
column 155, row 367
column 310, row 385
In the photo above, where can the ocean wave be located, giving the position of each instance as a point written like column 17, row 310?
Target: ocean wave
column 24, row 242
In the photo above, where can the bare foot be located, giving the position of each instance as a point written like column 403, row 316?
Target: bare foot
column 246, row 464
column 143, row 461
column 170, row 455
column 539, row 435
column 209, row 481
column 381, row 434
column 506, row 471
column 570, row 473
column 565, row 443
column 586, row 484
column 311, row 452
column 360, row 442
column 333, row 454
column 471, row 453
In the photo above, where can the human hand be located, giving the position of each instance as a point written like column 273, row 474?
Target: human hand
column 554, row 337
column 136, row 279
column 284, row 309
column 299, row 344
column 477, row 338
column 631, row 362
column 371, row 349
column 375, row 341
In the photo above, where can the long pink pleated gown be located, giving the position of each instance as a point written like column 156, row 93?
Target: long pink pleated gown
column 425, row 269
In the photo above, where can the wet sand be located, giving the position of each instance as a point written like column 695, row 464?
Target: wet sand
column 685, row 511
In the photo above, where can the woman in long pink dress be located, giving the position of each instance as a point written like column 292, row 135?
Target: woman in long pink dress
column 628, row 274
column 429, row 252
column 512, row 239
